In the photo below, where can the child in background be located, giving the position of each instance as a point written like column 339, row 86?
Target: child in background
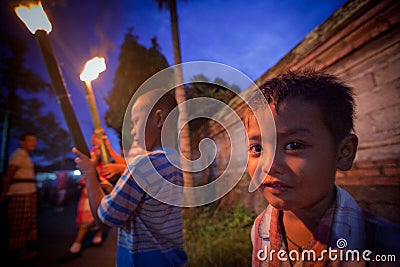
column 307, row 213
column 84, row 218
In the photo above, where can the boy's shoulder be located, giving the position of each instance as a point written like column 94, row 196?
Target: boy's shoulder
column 19, row 152
column 346, row 202
column 262, row 222
column 382, row 235
column 155, row 160
column 169, row 153
column 155, row 169
column 378, row 221
column 166, row 155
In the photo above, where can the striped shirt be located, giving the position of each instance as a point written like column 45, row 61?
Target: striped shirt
column 150, row 230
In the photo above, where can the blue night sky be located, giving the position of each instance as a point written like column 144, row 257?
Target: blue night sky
column 250, row 36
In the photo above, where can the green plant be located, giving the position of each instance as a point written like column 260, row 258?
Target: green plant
column 219, row 238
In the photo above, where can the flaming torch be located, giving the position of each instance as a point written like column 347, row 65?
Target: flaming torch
column 36, row 20
column 91, row 71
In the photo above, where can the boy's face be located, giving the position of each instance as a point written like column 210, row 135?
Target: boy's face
column 144, row 130
column 304, row 165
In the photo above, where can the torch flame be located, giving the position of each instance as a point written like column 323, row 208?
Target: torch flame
column 34, row 17
column 92, row 69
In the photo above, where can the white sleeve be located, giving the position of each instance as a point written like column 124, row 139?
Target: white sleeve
column 252, row 234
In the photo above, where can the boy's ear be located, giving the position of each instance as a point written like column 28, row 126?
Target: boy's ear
column 160, row 118
column 347, row 152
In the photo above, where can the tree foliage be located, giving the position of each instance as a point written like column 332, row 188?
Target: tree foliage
column 217, row 89
column 21, row 105
column 15, row 78
column 136, row 64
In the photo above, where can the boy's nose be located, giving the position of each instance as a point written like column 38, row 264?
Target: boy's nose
column 277, row 166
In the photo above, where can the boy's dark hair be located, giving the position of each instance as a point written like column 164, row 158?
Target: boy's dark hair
column 166, row 102
column 24, row 135
column 333, row 97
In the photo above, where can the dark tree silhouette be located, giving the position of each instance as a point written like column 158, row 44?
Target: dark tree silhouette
column 136, row 65
column 21, row 111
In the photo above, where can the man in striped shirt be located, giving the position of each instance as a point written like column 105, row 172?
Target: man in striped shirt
column 144, row 203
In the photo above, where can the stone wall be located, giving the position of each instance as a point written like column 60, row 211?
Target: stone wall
column 361, row 44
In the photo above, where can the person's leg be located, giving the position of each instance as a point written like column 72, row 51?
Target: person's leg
column 20, row 226
column 30, row 249
column 80, row 236
column 98, row 237
column 14, row 221
column 76, row 248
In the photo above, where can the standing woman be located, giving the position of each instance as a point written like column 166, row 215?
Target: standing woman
column 19, row 187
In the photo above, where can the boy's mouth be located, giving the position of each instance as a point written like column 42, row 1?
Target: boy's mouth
column 276, row 187
column 276, row 184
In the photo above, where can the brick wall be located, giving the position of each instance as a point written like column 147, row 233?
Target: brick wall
column 375, row 186
column 361, row 44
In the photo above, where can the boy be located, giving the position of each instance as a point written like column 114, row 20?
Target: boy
column 309, row 219
column 149, row 230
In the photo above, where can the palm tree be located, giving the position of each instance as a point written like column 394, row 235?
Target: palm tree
column 184, row 136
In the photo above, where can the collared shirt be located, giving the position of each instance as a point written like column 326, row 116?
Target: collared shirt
column 343, row 228
column 150, row 231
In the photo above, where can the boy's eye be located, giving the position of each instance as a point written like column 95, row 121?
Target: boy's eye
column 293, row 146
column 255, row 149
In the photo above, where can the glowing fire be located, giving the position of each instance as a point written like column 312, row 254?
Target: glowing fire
column 92, row 69
column 34, row 17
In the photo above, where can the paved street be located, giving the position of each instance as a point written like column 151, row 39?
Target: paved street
column 57, row 230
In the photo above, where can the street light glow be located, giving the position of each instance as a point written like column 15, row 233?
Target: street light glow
column 34, row 17
column 92, row 69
